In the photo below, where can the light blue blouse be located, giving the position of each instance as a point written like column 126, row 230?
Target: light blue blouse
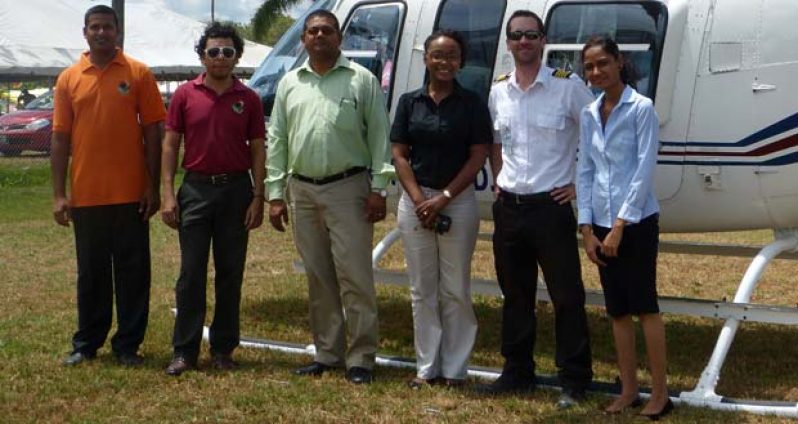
column 615, row 170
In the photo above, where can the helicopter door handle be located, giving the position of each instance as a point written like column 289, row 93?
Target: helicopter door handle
column 758, row 86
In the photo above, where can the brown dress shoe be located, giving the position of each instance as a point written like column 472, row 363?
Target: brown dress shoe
column 223, row 362
column 178, row 366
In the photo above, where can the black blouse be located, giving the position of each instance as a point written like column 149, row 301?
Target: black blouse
column 440, row 136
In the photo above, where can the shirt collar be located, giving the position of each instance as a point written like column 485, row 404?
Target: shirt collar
column 200, row 82
column 543, row 77
column 340, row 62
column 422, row 92
column 85, row 63
column 627, row 96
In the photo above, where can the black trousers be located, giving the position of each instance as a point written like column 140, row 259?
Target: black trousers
column 113, row 253
column 527, row 234
column 210, row 214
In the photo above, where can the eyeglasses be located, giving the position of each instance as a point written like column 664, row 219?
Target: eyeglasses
column 214, row 52
column 440, row 57
column 530, row 35
column 324, row 29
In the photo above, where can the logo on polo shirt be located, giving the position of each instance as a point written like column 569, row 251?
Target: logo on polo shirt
column 124, row 88
column 238, row 107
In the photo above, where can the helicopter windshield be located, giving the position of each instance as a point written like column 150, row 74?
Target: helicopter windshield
column 287, row 54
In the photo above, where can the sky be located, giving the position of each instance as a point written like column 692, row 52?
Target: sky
column 225, row 10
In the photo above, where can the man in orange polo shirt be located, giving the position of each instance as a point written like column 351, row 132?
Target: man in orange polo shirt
column 105, row 105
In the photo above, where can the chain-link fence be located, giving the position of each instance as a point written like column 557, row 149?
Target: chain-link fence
column 28, row 129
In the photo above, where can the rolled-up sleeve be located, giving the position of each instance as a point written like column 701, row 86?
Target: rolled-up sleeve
column 642, row 182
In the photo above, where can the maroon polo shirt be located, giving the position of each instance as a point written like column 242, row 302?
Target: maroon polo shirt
column 216, row 128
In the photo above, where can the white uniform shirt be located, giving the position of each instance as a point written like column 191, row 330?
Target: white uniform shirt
column 538, row 130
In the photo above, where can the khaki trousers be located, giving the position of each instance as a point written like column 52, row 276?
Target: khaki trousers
column 334, row 240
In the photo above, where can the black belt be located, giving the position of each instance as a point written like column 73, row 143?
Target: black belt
column 542, row 198
column 215, row 179
column 330, row 178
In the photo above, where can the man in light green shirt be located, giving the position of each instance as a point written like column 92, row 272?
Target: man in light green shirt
column 328, row 132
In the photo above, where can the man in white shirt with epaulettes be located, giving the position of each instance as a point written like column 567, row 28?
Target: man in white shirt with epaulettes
column 535, row 111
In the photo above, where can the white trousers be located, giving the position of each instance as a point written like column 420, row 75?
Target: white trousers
column 439, row 267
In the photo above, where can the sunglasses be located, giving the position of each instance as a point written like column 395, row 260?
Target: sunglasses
column 324, row 29
column 214, row 52
column 530, row 35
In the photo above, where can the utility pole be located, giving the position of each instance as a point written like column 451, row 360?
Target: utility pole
column 119, row 8
column 213, row 8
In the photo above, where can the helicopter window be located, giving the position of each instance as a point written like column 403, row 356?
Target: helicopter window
column 638, row 28
column 287, row 54
column 480, row 23
column 370, row 38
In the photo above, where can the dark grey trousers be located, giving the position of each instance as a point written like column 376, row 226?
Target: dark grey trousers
column 210, row 215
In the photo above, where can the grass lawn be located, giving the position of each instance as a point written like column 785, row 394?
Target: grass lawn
column 38, row 317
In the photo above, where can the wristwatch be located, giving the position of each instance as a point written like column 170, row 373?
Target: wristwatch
column 447, row 194
column 382, row 192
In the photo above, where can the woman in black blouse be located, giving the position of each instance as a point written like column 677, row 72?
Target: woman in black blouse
column 440, row 139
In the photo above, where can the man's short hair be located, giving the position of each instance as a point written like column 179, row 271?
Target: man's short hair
column 100, row 9
column 322, row 13
column 219, row 30
column 524, row 14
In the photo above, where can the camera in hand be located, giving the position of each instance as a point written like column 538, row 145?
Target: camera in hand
column 442, row 223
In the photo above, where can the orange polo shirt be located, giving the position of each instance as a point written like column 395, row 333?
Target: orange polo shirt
column 103, row 111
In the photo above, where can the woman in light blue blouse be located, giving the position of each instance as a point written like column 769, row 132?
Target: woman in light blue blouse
column 618, row 217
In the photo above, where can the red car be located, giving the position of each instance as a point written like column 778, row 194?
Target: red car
column 28, row 129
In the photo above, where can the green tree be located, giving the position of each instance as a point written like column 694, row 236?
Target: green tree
column 275, row 30
column 268, row 14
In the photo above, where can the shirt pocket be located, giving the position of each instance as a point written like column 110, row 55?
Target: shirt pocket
column 345, row 114
column 550, row 121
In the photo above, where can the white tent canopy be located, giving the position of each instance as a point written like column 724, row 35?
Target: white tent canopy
column 39, row 38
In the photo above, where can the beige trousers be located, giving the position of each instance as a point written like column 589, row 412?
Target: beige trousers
column 334, row 240
column 439, row 267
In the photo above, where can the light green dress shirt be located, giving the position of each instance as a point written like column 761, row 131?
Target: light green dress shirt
column 324, row 125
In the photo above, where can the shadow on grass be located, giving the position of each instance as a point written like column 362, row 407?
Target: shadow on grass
column 760, row 364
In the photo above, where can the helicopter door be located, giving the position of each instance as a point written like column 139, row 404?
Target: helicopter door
column 638, row 28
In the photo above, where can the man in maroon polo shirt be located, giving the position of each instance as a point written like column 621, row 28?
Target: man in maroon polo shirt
column 221, row 198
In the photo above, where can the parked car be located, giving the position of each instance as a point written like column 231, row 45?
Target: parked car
column 28, row 129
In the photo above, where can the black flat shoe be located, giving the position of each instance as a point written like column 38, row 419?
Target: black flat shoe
column 665, row 411
column 507, row 383
column 636, row 402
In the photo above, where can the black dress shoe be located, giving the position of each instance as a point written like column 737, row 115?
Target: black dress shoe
column 179, row 365
column 359, row 375
column 314, row 369
column 223, row 362
column 507, row 383
column 129, row 359
column 665, row 411
column 76, row 358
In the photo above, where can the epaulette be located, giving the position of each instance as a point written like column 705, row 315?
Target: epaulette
column 502, row 77
column 561, row 73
